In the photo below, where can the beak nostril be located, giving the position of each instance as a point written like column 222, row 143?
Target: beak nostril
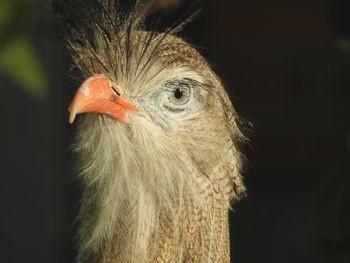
column 115, row 89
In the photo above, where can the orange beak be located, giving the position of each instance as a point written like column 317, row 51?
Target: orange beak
column 96, row 95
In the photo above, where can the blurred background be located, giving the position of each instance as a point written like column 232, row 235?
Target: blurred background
column 286, row 64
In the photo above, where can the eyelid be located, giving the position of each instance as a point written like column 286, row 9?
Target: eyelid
column 174, row 108
column 176, row 83
column 192, row 83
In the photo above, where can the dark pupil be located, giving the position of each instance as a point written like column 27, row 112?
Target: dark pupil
column 178, row 93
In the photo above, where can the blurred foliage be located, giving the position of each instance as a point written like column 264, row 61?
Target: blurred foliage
column 5, row 15
column 19, row 59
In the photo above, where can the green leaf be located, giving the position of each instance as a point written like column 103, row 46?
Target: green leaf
column 20, row 62
column 6, row 15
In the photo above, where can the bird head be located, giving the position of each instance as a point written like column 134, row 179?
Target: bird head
column 158, row 128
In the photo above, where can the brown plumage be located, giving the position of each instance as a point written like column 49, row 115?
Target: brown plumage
column 158, row 179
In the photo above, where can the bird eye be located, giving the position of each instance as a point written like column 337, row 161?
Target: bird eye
column 180, row 96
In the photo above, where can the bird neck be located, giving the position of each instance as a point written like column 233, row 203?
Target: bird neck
column 204, row 234
column 137, row 209
column 193, row 234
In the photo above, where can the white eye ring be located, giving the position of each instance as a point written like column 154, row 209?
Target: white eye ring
column 180, row 96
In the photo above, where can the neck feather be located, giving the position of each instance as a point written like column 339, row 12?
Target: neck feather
column 140, row 203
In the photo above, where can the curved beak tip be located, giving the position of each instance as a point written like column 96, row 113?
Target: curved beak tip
column 71, row 117
column 72, row 114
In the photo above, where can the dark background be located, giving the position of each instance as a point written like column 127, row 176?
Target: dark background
column 287, row 66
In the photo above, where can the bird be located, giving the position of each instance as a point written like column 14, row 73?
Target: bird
column 158, row 141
